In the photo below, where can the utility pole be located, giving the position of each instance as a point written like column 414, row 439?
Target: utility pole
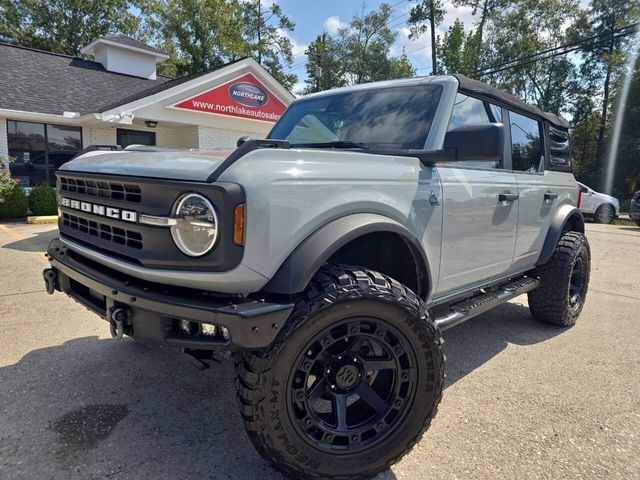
column 318, row 72
column 432, row 21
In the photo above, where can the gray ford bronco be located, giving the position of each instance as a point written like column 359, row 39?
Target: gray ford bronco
column 327, row 259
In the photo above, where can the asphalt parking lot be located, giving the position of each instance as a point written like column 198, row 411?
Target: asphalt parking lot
column 523, row 400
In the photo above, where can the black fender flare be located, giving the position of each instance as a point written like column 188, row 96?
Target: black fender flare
column 565, row 215
column 301, row 265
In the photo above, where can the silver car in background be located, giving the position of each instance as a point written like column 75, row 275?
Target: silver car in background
column 601, row 207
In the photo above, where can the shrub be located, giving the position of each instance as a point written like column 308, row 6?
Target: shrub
column 13, row 202
column 42, row 200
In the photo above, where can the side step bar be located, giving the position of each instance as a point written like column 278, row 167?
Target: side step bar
column 469, row 308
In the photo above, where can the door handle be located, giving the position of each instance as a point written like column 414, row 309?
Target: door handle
column 508, row 197
column 550, row 196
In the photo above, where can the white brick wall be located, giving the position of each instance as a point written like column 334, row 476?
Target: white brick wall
column 4, row 147
column 98, row 135
column 172, row 137
column 218, row 139
column 177, row 137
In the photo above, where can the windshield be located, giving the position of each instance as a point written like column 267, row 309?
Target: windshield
column 384, row 118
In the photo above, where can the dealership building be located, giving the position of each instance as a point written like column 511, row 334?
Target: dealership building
column 52, row 106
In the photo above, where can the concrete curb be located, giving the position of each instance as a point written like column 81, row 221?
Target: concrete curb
column 43, row 219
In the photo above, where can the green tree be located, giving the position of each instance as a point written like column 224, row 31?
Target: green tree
column 458, row 51
column 64, row 26
column 324, row 67
column 602, row 60
column 525, row 28
column 627, row 175
column 203, row 34
column 198, row 34
column 423, row 18
column 266, row 39
column 359, row 53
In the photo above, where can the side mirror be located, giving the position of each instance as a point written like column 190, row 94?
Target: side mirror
column 242, row 140
column 483, row 143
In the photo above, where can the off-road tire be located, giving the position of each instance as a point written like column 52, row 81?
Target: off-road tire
column 336, row 293
column 550, row 302
column 600, row 216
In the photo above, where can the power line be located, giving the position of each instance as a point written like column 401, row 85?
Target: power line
column 556, row 54
column 560, row 47
column 538, row 56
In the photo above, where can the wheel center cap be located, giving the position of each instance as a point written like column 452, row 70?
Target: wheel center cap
column 347, row 376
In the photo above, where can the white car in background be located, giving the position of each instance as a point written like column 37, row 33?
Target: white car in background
column 601, row 207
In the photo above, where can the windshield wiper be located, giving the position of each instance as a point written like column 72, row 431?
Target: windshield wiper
column 336, row 144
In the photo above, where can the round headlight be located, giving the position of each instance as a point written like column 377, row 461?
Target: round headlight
column 196, row 227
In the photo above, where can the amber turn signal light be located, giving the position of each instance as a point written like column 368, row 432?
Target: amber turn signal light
column 238, row 224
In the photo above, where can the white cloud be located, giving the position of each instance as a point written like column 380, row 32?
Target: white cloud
column 333, row 24
column 419, row 49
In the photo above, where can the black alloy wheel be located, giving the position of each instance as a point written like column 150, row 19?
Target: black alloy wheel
column 577, row 281
column 352, row 383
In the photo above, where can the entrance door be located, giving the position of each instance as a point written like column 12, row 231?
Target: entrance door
column 135, row 137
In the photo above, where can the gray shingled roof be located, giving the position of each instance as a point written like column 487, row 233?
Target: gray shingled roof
column 44, row 82
column 132, row 42
column 163, row 86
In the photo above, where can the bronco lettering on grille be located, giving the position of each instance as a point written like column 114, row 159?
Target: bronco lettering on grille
column 126, row 215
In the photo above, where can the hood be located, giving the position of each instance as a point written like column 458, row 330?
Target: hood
column 174, row 165
column 607, row 198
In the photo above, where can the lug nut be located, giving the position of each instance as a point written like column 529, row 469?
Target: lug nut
column 300, row 395
column 397, row 403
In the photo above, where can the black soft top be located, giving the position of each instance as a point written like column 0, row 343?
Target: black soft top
column 481, row 89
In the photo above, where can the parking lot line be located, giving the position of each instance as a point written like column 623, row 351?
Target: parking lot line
column 16, row 236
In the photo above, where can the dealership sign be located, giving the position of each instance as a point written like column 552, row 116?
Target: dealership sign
column 243, row 97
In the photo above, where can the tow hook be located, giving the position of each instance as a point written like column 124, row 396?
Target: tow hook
column 50, row 280
column 117, row 318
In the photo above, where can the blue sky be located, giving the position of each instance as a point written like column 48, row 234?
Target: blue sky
column 312, row 17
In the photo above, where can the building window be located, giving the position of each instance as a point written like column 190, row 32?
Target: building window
column 135, row 137
column 39, row 150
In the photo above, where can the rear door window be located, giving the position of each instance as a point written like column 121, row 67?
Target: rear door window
column 526, row 145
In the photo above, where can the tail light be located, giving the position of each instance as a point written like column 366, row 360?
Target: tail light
column 579, row 196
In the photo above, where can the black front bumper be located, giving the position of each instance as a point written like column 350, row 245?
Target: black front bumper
column 154, row 311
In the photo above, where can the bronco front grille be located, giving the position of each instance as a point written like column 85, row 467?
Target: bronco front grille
column 127, row 192
column 121, row 236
